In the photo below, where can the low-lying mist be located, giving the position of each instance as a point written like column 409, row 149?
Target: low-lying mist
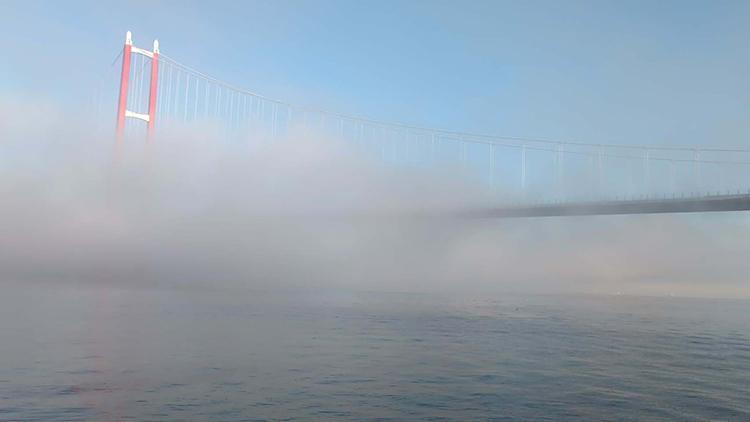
column 309, row 212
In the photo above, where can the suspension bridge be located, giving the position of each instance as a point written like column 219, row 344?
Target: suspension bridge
column 540, row 177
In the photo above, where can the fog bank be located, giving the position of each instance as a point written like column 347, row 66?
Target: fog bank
column 310, row 212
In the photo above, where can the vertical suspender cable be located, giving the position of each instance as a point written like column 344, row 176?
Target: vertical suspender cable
column 195, row 105
column 523, row 168
column 492, row 168
column 187, row 95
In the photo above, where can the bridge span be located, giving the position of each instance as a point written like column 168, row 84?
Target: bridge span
column 159, row 96
column 710, row 203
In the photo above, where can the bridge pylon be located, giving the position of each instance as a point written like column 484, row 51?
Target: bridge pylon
column 123, row 112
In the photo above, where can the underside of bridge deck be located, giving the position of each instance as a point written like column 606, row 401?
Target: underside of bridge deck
column 644, row 206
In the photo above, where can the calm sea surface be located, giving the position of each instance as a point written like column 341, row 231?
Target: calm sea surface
column 106, row 353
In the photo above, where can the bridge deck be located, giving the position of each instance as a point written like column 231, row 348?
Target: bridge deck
column 715, row 203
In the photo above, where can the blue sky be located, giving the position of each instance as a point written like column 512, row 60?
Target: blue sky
column 599, row 71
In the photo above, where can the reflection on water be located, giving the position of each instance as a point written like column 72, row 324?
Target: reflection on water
column 84, row 352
